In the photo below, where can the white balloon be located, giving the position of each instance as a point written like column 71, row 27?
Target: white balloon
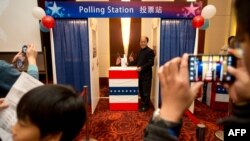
column 208, row 11
column 38, row 13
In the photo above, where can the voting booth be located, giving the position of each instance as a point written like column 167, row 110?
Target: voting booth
column 123, row 88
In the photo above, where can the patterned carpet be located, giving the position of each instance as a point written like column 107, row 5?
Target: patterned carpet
column 105, row 125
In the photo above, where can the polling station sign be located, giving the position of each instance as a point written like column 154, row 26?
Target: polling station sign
column 67, row 9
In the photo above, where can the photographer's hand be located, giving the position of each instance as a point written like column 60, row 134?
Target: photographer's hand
column 177, row 95
column 239, row 90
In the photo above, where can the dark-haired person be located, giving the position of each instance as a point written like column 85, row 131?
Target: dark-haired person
column 177, row 95
column 9, row 74
column 144, row 63
column 239, row 91
column 230, row 45
column 49, row 113
column 231, row 42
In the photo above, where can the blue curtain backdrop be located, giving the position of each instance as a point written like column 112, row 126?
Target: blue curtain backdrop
column 177, row 37
column 72, row 53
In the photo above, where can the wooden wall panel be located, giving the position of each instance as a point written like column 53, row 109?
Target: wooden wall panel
column 116, row 45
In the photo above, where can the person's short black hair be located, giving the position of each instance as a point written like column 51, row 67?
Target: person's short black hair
column 146, row 38
column 242, row 14
column 53, row 109
column 229, row 39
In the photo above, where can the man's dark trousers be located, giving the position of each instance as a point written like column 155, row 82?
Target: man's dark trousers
column 144, row 90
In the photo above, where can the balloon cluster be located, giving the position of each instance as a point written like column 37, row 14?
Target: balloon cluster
column 46, row 22
column 202, row 22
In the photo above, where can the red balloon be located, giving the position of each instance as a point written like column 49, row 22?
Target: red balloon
column 48, row 22
column 198, row 21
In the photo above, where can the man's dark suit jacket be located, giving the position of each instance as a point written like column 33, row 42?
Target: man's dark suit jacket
column 145, row 60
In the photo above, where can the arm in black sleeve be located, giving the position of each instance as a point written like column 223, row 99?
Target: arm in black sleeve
column 162, row 131
column 240, row 116
column 150, row 60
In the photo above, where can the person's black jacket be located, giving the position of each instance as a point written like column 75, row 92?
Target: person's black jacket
column 240, row 117
column 145, row 60
column 164, row 132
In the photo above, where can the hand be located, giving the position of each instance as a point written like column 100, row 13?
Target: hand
column 18, row 55
column 2, row 104
column 176, row 93
column 131, row 58
column 31, row 54
column 138, row 69
column 118, row 61
column 238, row 52
column 239, row 90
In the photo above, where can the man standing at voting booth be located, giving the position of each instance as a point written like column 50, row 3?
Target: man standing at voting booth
column 144, row 63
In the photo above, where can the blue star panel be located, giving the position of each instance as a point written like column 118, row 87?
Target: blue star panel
column 66, row 9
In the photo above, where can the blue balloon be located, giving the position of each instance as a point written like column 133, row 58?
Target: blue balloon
column 42, row 28
column 205, row 25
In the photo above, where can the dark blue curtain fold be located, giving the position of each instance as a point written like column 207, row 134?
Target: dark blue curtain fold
column 72, row 53
column 177, row 37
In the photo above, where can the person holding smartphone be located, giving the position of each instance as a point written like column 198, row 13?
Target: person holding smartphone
column 177, row 95
column 9, row 74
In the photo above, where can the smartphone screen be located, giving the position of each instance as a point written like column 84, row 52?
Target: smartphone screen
column 24, row 49
column 210, row 68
